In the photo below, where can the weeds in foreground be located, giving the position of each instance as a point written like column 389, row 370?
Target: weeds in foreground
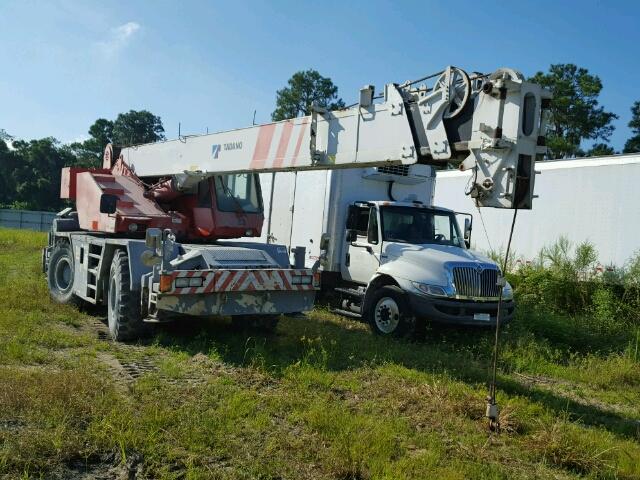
column 571, row 281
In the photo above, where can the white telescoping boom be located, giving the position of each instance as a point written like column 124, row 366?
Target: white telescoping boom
column 493, row 124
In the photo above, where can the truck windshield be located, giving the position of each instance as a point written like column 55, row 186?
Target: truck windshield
column 238, row 192
column 420, row 225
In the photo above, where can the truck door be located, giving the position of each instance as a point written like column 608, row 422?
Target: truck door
column 362, row 252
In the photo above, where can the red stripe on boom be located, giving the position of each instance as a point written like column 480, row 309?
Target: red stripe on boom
column 263, row 144
column 287, row 128
column 303, row 127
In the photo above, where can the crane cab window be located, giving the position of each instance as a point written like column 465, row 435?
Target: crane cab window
column 238, row 193
column 204, row 194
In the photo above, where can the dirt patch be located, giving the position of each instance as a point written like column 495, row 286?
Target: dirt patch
column 12, row 424
column 109, row 466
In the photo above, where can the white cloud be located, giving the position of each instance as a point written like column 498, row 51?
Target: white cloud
column 119, row 38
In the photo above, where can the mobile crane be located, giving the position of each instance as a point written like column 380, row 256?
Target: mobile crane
column 150, row 234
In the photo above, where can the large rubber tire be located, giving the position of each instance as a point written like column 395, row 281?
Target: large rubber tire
column 260, row 323
column 61, row 274
column 388, row 312
column 123, row 304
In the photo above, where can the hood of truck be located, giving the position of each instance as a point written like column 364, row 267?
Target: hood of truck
column 426, row 263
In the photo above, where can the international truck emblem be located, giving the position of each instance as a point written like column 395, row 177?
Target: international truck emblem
column 479, row 269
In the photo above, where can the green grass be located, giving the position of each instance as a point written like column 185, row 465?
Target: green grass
column 322, row 398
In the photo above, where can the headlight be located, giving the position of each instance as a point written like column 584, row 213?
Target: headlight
column 433, row 290
column 507, row 292
column 301, row 279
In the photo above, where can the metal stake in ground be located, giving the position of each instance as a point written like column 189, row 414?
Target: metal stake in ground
column 493, row 412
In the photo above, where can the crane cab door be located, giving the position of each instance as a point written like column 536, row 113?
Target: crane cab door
column 363, row 244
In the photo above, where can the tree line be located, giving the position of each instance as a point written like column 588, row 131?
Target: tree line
column 30, row 170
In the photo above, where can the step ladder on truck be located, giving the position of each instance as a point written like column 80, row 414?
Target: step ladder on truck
column 153, row 232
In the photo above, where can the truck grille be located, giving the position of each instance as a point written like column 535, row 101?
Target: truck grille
column 401, row 170
column 475, row 282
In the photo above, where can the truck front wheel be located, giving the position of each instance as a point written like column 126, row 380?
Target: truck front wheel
column 124, row 317
column 388, row 312
column 60, row 274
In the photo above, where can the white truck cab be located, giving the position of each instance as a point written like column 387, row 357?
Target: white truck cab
column 410, row 262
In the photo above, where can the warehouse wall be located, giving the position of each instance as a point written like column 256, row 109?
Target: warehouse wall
column 595, row 199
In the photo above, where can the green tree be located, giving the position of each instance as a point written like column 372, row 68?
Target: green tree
column 600, row 150
column 85, row 154
column 575, row 112
column 306, row 88
column 4, row 135
column 30, row 170
column 8, row 163
column 89, row 153
column 35, row 173
column 633, row 144
column 135, row 127
column 100, row 134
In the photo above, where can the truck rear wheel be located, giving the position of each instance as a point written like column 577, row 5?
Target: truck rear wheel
column 388, row 312
column 123, row 306
column 60, row 274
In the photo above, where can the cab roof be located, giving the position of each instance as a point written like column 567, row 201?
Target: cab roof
column 388, row 203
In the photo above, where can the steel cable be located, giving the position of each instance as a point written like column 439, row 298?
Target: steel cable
column 492, row 411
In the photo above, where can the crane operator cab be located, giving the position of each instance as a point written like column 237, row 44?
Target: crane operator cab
column 225, row 206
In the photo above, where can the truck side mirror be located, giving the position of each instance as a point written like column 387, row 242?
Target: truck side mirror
column 352, row 235
column 108, row 203
column 467, row 232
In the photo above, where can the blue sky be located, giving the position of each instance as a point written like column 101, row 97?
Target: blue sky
column 211, row 64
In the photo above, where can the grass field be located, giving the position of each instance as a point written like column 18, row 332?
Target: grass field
column 321, row 398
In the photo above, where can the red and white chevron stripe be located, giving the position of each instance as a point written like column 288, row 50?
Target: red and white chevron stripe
column 214, row 281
